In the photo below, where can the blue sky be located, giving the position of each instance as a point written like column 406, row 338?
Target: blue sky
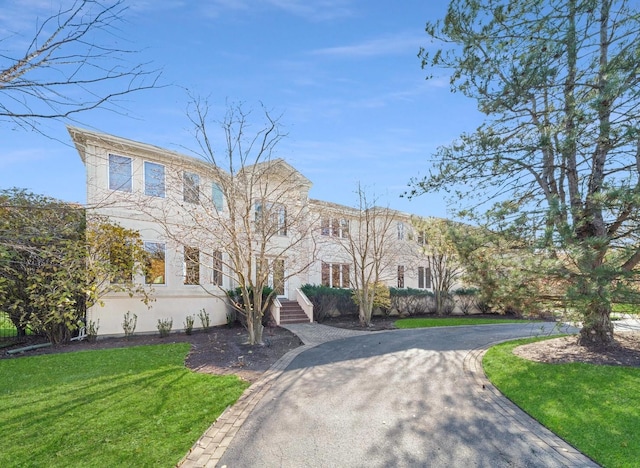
column 344, row 74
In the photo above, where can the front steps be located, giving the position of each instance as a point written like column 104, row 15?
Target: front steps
column 291, row 312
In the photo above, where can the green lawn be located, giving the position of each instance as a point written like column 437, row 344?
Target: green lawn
column 425, row 322
column 633, row 309
column 594, row 408
column 135, row 406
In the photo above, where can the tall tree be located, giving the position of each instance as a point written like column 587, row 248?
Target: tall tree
column 53, row 266
column 559, row 84
column 59, row 71
column 253, row 227
column 372, row 246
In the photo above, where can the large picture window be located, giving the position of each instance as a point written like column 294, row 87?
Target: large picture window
column 153, row 179
column 155, row 273
column 120, row 173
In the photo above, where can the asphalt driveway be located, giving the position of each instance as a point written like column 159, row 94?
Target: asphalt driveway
column 400, row 398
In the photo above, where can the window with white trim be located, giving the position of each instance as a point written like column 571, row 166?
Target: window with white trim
column 335, row 275
column 424, row 278
column 422, row 237
column 401, row 276
column 191, row 265
column 154, row 179
column 334, row 227
column 156, row 265
column 400, row 227
column 120, row 173
column 216, row 277
column 191, row 187
column 217, row 196
column 274, row 215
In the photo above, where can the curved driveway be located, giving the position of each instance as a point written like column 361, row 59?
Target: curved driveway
column 399, row 398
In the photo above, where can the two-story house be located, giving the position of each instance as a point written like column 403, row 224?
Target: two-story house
column 203, row 226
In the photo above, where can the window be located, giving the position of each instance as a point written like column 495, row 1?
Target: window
column 191, row 187
column 121, row 262
column 422, row 237
column 335, row 275
column 155, row 273
column 401, row 276
column 153, row 179
column 119, row 173
column 334, row 227
column 217, row 197
column 280, row 219
column 216, row 277
column 424, row 278
column 191, row 265
column 275, row 213
column 400, row 226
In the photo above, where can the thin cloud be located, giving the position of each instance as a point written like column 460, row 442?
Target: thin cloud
column 315, row 10
column 390, row 45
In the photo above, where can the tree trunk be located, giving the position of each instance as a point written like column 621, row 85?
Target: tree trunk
column 255, row 328
column 597, row 331
column 364, row 314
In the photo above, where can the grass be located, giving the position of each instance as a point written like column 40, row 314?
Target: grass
column 633, row 309
column 594, row 408
column 448, row 322
column 135, row 406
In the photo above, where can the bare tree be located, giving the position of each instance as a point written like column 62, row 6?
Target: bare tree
column 253, row 226
column 371, row 247
column 63, row 72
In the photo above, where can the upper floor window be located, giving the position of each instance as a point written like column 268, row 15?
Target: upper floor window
column 217, row 196
column 120, row 173
column 153, row 179
column 400, row 227
column 422, row 237
column 155, row 273
column 272, row 217
column 191, row 187
column 334, row 227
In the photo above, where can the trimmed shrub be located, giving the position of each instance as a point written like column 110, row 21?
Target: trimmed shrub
column 408, row 302
column 329, row 302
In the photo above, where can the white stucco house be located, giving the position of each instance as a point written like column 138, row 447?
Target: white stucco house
column 181, row 207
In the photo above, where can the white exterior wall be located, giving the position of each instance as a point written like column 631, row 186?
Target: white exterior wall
column 175, row 300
